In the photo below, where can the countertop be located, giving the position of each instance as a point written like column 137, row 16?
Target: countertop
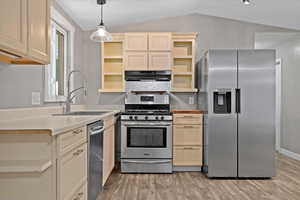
column 48, row 124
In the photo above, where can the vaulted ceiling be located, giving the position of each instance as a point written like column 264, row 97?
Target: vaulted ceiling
column 282, row 13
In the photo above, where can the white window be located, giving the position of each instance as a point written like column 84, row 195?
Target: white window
column 62, row 39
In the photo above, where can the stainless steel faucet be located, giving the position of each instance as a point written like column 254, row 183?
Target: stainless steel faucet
column 70, row 97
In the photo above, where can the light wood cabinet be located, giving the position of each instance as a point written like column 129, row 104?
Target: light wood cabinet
column 187, row 119
column 187, row 135
column 108, row 150
column 136, row 60
column 13, row 29
column 136, row 41
column 160, row 41
column 187, row 140
column 187, row 156
column 39, row 30
column 72, row 171
column 149, row 51
column 160, row 60
column 25, row 31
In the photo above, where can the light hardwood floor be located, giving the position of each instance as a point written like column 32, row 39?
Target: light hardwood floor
column 195, row 186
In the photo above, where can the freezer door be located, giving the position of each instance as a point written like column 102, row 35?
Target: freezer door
column 221, row 131
column 256, row 120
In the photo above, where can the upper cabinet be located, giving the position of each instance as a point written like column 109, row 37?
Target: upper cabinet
column 13, row 29
column 39, row 30
column 136, row 41
column 160, row 41
column 25, row 31
column 149, row 51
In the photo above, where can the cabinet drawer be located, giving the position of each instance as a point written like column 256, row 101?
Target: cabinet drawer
column 187, row 134
column 72, row 171
column 81, row 194
column 187, row 156
column 69, row 140
column 188, row 119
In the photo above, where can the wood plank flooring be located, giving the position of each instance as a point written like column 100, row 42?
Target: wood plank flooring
column 196, row 186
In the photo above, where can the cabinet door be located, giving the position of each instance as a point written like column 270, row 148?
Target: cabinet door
column 72, row 171
column 136, row 41
column 187, row 156
column 136, row 60
column 160, row 41
column 106, row 150
column 187, row 135
column 13, row 26
column 39, row 30
column 112, row 147
column 160, row 60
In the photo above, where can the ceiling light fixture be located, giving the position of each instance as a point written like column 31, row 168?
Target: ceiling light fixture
column 246, row 2
column 101, row 34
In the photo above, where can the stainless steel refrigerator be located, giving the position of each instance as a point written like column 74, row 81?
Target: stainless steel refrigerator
column 239, row 89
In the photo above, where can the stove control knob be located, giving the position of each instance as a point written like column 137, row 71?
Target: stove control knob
column 135, row 117
column 162, row 118
column 130, row 117
column 146, row 117
column 157, row 118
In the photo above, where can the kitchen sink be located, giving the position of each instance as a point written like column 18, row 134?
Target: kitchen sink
column 82, row 113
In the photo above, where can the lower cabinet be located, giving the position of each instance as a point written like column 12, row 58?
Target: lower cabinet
column 108, row 152
column 72, row 171
column 81, row 193
column 187, row 156
column 187, row 141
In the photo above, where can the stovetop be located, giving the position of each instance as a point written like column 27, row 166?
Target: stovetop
column 146, row 112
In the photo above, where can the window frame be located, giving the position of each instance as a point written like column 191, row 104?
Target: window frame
column 64, row 26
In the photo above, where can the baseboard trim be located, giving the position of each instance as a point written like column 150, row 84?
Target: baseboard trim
column 187, row 168
column 289, row 154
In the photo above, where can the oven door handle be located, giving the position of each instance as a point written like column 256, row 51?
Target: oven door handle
column 147, row 162
column 147, row 125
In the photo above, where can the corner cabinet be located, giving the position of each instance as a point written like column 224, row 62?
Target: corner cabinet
column 149, row 51
column 25, row 31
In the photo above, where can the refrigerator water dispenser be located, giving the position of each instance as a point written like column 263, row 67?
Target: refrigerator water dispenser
column 222, row 101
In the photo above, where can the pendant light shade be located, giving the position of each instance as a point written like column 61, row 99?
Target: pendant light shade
column 101, row 34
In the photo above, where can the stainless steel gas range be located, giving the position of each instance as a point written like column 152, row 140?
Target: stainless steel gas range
column 146, row 124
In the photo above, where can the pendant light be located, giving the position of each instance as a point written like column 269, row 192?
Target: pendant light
column 101, row 34
column 246, row 2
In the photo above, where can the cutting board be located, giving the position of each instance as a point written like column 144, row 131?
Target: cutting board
column 187, row 111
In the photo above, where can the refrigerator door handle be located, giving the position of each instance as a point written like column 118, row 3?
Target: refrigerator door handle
column 238, row 100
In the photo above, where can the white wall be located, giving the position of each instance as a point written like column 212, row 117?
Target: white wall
column 288, row 49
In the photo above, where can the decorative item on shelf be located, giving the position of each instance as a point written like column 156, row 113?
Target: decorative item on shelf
column 101, row 34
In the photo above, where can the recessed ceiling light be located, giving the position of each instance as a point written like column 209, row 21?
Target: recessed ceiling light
column 246, row 2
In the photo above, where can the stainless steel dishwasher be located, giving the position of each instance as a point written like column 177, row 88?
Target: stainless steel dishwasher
column 95, row 155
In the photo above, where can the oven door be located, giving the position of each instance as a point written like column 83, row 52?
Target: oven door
column 146, row 140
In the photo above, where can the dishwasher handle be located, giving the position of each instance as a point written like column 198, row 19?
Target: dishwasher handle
column 96, row 131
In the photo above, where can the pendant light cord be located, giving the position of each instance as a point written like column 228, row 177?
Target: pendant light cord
column 101, row 23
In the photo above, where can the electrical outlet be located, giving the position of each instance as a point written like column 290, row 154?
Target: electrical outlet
column 36, row 98
column 191, row 100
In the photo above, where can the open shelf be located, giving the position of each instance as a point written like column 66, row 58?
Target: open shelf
column 113, row 82
column 114, row 48
column 113, row 65
column 182, row 65
column 182, row 82
column 183, row 48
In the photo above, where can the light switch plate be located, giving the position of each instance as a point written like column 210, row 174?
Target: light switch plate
column 191, row 100
column 36, row 98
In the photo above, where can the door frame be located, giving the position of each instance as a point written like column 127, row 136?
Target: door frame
column 278, row 103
